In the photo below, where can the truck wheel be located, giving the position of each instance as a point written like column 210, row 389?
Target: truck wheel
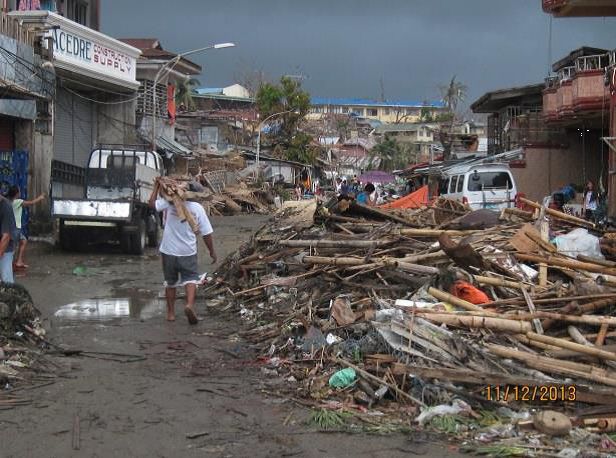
column 72, row 239
column 64, row 237
column 154, row 231
column 138, row 239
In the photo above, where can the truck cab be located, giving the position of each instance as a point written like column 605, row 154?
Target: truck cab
column 114, row 207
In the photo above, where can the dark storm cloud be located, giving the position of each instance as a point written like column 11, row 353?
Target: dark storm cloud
column 344, row 47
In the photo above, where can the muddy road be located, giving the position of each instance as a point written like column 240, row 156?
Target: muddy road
column 188, row 391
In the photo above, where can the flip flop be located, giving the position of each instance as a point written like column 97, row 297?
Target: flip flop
column 21, row 267
column 190, row 314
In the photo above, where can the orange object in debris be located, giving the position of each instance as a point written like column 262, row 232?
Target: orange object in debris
column 413, row 200
column 469, row 293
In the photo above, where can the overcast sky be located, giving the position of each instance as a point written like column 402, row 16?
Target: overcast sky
column 344, row 47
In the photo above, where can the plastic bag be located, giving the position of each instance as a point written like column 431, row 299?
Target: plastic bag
column 456, row 407
column 343, row 378
column 579, row 241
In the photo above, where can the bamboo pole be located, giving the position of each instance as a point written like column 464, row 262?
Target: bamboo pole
column 526, row 316
column 600, row 340
column 453, row 300
column 435, row 233
column 582, row 309
column 568, row 263
column 601, row 262
column 480, row 322
column 497, row 281
column 559, row 215
column 608, row 355
column 556, row 366
column 324, row 243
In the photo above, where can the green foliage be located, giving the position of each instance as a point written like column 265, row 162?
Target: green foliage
column 299, row 149
column 444, row 117
column 328, row 419
column 426, row 115
column 184, row 93
column 288, row 98
column 391, row 154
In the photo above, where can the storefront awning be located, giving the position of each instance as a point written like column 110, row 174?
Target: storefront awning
column 172, row 147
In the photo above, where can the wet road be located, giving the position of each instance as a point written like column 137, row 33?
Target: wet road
column 188, row 391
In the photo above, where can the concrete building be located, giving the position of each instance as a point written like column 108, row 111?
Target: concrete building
column 419, row 137
column 156, row 108
column 387, row 112
column 588, row 77
column 95, row 94
column 28, row 83
column 559, row 134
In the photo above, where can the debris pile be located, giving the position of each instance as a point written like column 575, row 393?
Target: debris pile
column 228, row 200
column 21, row 333
column 472, row 323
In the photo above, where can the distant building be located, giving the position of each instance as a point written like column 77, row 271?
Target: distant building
column 234, row 97
column 420, row 135
column 387, row 112
column 156, row 110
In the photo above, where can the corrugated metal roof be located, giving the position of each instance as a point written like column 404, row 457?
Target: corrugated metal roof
column 374, row 103
column 209, row 90
column 172, row 146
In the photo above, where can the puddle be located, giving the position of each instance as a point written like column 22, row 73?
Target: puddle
column 110, row 309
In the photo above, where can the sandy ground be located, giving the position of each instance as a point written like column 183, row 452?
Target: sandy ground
column 193, row 379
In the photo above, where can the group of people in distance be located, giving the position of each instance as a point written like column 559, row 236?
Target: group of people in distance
column 366, row 196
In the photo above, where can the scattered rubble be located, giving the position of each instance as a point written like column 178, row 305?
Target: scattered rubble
column 441, row 318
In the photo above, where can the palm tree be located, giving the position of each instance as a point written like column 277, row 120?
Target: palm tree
column 184, row 93
column 452, row 95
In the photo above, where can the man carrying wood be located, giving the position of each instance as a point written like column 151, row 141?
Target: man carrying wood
column 179, row 251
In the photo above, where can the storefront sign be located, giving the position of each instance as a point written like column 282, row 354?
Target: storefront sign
column 78, row 50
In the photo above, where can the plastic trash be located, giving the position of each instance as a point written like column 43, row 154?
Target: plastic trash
column 80, row 271
column 577, row 242
column 343, row 378
column 456, row 407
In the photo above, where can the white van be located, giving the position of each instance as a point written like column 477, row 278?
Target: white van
column 480, row 185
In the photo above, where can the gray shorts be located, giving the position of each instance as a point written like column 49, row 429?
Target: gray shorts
column 180, row 270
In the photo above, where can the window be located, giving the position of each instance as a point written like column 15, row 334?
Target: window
column 358, row 111
column 489, row 180
column 77, row 10
column 373, row 112
column 460, row 183
column 443, row 186
column 453, row 183
column 345, row 109
column 386, row 111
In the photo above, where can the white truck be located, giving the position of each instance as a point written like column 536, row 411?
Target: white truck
column 490, row 186
column 118, row 183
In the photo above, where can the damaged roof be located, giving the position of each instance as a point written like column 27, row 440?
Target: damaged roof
column 494, row 101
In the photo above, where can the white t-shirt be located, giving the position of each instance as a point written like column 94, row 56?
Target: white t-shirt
column 178, row 237
column 590, row 205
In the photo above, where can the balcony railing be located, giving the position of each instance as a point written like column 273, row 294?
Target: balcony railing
column 566, row 74
column 591, row 63
column 11, row 27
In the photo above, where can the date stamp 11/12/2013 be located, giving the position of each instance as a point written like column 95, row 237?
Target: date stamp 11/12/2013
column 529, row 393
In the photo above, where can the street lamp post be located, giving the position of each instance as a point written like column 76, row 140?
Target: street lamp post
column 259, row 134
column 169, row 67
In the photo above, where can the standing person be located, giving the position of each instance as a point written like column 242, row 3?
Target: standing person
column 179, row 252
column 590, row 201
column 18, row 207
column 366, row 196
column 338, row 186
column 7, row 240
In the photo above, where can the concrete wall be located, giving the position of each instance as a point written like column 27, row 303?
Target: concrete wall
column 549, row 169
